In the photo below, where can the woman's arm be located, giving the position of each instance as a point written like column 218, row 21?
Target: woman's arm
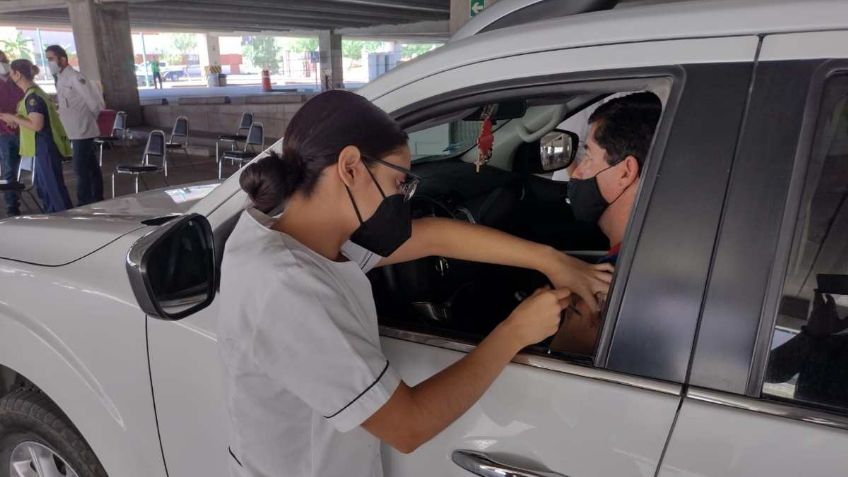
column 414, row 415
column 33, row 121
column 477, row 243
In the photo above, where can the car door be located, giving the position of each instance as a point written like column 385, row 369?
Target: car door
column 769, row 387
column 610, row 415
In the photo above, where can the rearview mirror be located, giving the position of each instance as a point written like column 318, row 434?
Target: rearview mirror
column 172, row 269
column 557, row 150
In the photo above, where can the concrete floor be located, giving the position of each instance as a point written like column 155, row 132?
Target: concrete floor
column 181, row 170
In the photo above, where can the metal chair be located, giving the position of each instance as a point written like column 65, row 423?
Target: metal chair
column 244, row 125
column 155, row 148
column 255, row 137
column 19, row 188
column 179, row 136
column 119, row 134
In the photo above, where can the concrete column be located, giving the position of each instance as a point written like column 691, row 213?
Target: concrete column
column 210, row 51
column 104, row 46
column 331, row 66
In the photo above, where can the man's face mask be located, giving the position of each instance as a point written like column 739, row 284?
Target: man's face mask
column 587, row 202
column 5, row 69
column 389, row 227
column 54, row 67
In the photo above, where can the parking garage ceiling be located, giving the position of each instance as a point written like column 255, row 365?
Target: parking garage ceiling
column 240, row 15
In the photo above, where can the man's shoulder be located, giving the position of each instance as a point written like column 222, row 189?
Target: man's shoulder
column 70, row 74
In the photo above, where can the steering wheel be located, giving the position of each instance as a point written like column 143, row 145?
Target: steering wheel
column 424, row 283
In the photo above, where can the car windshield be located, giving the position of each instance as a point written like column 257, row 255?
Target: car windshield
column 451, row 136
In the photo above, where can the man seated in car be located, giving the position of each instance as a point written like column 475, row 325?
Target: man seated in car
column 603, row 189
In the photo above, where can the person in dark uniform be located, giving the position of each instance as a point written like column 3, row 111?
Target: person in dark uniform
column 42, row 137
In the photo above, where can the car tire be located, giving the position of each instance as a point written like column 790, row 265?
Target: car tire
column 32, row 424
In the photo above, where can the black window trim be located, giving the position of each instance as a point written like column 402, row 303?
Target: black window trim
column 552, row 85
column 829, row 83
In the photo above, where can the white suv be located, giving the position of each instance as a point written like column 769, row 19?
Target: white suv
column 721, row 352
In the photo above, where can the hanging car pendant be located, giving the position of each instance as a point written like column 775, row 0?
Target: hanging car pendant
column 486, row 140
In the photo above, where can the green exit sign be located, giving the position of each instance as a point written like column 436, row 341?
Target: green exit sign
column 477, row 6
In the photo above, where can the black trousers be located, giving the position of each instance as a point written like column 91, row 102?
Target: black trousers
column 87, row 169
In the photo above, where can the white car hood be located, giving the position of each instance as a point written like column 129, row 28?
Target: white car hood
column 61, row 238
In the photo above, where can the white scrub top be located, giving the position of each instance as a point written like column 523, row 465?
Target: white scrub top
column 303, row 366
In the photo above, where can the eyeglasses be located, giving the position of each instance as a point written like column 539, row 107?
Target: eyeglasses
column 406, row 188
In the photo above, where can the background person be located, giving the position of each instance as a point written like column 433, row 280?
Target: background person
column 10, row 159
column 157, row 75
column 80, row 102
column 41, row 136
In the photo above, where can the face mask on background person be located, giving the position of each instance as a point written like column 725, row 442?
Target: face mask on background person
column 5, row 69
column 54, row 68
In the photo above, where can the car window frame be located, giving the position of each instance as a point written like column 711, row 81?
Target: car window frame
column 615, row 80
column 828, row 87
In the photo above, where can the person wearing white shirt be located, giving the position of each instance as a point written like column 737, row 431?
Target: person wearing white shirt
column 308, row 389
column 80, row 102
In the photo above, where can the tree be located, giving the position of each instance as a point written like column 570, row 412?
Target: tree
column 354, row 48
column 185, row 43
column 262, row 51
column 179, row 45
column 304, row 45
column 412, row 50
column 18, row 47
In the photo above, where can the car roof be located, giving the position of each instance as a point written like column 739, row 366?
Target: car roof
column 699, row 19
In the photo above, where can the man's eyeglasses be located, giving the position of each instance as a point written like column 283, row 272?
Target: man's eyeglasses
column 406, row 188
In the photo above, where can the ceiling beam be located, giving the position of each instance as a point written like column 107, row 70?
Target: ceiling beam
column 236, row 11
column 30, row 5
column 420, row 31
column 403, row 5
column 322, row 6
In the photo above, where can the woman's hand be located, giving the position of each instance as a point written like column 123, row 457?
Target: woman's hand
column 584, row 279
column 9, row 119
column 537, row 317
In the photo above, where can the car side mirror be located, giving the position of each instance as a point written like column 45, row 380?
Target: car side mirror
column 172, row 269
column 558, row 149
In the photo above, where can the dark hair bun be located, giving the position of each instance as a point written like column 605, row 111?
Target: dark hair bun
column 270, row 180
column 316, row 134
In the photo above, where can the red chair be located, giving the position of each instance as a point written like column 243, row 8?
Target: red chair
column 105, row 120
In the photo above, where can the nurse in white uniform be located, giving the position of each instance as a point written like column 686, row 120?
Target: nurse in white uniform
column 309, row 391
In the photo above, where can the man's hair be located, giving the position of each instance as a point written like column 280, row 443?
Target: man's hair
column 625, row 126
column 58, row 51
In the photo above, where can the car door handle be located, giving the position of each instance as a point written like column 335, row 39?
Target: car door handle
column 479, row 463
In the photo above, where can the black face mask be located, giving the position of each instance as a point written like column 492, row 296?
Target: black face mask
column 389, row 227
column 587, row 202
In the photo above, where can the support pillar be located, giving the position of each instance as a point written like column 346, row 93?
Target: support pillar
column 331, row 65
column 210, row 50
column 104, row 46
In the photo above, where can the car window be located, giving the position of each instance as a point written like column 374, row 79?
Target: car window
column 808, row 361
column 465, row 301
